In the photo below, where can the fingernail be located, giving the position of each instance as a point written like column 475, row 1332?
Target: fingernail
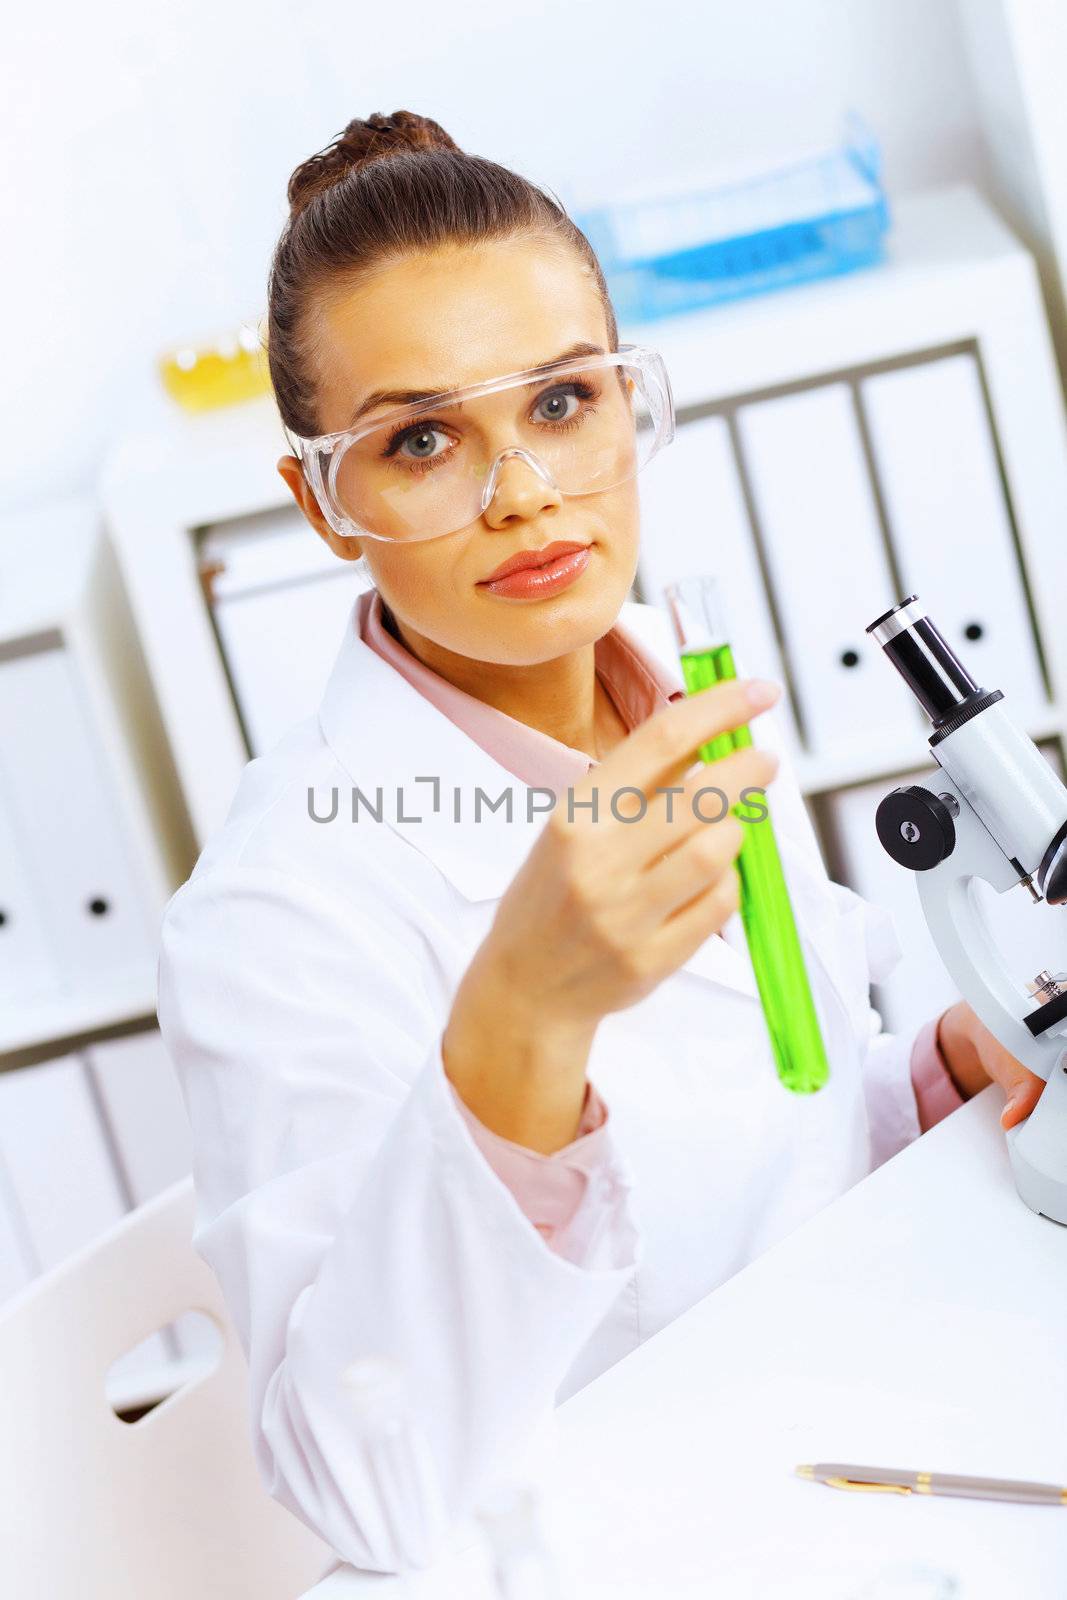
column 762, row 692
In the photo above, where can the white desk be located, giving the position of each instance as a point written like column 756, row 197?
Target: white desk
column 920, row 1321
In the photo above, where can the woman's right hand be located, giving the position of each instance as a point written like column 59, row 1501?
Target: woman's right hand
column 601, row 911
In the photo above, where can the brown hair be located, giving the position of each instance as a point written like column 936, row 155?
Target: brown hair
column 387, row 186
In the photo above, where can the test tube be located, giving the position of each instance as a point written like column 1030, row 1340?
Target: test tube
column 696, row 609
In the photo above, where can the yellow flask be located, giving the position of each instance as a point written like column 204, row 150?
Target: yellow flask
column 218, row 372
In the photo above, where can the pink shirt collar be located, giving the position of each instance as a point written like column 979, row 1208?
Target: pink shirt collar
column 637, row 683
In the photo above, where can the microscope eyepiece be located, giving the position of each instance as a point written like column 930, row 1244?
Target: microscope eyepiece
column 933, row 672
column 899, row 620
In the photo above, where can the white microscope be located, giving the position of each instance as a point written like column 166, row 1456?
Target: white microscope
column 999, row 813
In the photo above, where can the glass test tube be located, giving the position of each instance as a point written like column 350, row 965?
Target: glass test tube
column 697, row 615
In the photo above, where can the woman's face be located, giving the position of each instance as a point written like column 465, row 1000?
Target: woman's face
column 458, row 316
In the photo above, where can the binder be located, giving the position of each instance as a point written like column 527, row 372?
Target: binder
column 57, row 1160
column 63, row 1189
column 277, row 582
column 694, row 521
column 63, row 807
column 142, row 1104
column 919, row 988
column 948, row 519
column 818, row 521
column 27, row 969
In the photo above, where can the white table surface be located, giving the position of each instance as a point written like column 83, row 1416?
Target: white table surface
column 920, row 1321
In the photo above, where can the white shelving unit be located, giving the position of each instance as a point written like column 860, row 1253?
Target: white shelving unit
column 241, row 606
column 93, row 834
column 84, row 1138
column 1016, row 51
column 93, row 840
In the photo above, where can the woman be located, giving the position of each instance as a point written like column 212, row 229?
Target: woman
column 400, row 1020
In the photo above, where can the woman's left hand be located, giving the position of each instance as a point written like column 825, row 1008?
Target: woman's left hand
column 975, row 1058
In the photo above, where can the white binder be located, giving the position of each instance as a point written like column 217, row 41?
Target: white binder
column 142, row 1103
column 62, row 1188
column 920, row 988
column 828, row 565
column 280, row 603
column 144, row 1112
column 64, row 808
column 694, row 522
column 53, row 1148
column 949, row 523
column 27, row 968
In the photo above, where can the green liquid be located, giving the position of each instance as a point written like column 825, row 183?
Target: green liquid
column 766, row 911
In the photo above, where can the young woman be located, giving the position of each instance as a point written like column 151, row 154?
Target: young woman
column 474, row 1060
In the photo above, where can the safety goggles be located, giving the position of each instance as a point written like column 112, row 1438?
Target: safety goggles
column 430, row 468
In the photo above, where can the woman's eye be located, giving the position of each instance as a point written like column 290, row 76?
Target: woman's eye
column 553, row 407
column 421, row 443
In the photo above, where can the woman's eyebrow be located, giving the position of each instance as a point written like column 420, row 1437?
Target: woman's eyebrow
column 411, row 397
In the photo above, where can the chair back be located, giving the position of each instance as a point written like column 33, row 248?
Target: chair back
column 170, row 1506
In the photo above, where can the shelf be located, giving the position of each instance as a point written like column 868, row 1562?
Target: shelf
column 55, row 1018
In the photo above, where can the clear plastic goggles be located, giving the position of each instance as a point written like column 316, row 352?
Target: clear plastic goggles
column 433, row 467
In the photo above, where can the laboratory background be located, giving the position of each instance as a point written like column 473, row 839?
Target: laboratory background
column 843, row 223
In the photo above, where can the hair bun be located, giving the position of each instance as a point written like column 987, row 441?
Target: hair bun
column 364, row 141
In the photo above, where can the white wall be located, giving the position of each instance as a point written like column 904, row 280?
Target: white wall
column 146, row 147
column 1016, row 51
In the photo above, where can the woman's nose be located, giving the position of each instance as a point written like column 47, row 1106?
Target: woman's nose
column 519, row 487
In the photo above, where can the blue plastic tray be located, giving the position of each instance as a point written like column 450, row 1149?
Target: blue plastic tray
column 817, row 218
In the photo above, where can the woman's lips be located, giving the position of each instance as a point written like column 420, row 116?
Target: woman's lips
column 530, row 583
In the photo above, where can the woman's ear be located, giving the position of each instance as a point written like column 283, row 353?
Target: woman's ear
column 349, row 549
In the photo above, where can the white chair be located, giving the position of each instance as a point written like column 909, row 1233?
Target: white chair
column 170, row 1507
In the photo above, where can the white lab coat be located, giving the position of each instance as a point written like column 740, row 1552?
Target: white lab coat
column 305, row 977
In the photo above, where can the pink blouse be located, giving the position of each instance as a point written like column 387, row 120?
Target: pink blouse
column 551, row 1189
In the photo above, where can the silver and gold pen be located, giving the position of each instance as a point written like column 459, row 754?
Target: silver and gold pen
column 894, row 1480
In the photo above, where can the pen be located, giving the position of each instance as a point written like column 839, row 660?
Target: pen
column 894, row 1480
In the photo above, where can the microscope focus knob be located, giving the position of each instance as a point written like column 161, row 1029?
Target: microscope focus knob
column 915, row 827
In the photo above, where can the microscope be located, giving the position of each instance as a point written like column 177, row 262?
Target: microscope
column 996, row 812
